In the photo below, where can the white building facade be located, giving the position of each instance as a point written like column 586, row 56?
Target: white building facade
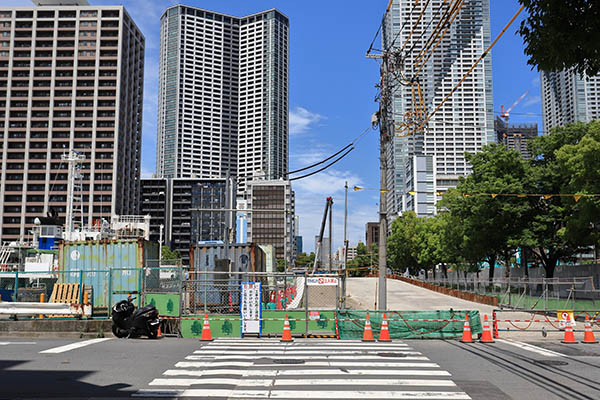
column 569, row 97
column 223, row 95
column 463, row 124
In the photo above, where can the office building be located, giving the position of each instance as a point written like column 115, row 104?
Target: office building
column 465, row 122
column 515, row 136
column 569, row 97
column 184, row 207
column 271, row 206
column 71, row 78
column 223, row 95
column 372, row 233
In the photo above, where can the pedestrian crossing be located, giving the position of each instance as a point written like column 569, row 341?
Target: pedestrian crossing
column 303, row 369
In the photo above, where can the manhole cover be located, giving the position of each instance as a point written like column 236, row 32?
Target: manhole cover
column 290, row 361
column 391, row 354
column 551, row 362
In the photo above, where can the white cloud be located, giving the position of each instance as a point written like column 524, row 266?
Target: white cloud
column 535, row 82
column 311, row 193
column 532, row 100
column 301, row 120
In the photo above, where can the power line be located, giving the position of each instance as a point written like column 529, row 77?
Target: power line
column 323, row 168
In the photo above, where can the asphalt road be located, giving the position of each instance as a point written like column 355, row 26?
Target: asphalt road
column 306, row 368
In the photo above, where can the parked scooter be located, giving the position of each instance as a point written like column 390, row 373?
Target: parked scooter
column 129, row 322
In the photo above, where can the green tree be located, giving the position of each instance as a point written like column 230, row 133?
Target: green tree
column 562, row 34
column 580, row 162
column 196, row 328
column 170, row 306
column 152, row 302
column 280, row 264
column 491, row 223
column 555, row 229
column 365, row 260
column 305, row 261
column 403, row 244
column 169, row 255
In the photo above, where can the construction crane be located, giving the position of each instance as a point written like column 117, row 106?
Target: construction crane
column 506, row 113
column 319, row 250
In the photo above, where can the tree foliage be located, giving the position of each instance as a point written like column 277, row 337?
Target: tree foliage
column 562, row 34
column 169, row 255
column 508, row 203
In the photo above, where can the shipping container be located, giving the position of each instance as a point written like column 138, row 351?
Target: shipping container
column 111, row 267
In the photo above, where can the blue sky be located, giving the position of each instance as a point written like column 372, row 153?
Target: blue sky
column 332, row 93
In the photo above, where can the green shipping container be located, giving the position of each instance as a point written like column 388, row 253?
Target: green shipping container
column 111, row 267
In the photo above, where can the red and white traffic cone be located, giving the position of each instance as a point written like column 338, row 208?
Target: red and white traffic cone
column 287, row 332
column 466, row 336
column 384, row 335
column 368, row 332
column 486, row 337
column 206, row 336
column 569, row 337
column 588, row 336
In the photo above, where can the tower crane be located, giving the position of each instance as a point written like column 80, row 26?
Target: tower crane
column 506, row 113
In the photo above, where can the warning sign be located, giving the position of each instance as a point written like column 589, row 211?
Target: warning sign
column 565, row 317
column 314, row 315
column 322, row 281
column 250, row 307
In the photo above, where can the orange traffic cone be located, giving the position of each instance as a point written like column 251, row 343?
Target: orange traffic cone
column 368, row 333
column 384, row 335
column 287, row 332
column 206, row 336
column 159, row 333
column 486, row 337
column 569, row 337
column 588, row 336
column 466, row 337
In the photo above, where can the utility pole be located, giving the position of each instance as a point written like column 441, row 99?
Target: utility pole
column 160, row 241
column 330, row 237
column 346, row 227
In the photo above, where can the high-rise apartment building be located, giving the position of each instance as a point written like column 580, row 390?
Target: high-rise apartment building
column 271, row 206
column 71, row 78
column 465, row 122
column 223, row 95
column 569, row 97
column 191, row 211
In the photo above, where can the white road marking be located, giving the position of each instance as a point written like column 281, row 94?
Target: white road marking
column 273, row 372
column 532, row 348
column 73, row 346
column 342, row 395
column 302, row 346
column 300, row 382
column 9, row 343
column 203, row 364
column 362, row 394
column 303, row 356
column 404, row 350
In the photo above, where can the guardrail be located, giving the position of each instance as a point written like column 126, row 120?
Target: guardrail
column 30, row 308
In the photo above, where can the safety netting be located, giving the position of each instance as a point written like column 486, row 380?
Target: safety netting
column 439, row 324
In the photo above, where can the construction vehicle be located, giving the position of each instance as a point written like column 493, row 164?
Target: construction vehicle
column 506, row 113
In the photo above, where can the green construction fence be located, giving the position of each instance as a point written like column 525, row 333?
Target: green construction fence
column 445, row 325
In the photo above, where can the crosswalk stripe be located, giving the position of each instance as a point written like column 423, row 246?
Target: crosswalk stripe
column 301, row 346
column 292, row 372
column 259, row 352
column 202, row 364
column 300, row 382
column 73, row 346
column 303, row 357
column 300, row 349
column 301, row 394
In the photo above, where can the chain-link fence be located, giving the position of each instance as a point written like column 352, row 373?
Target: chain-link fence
column 538, row 294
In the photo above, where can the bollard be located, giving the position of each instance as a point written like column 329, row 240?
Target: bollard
column 42, row 295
